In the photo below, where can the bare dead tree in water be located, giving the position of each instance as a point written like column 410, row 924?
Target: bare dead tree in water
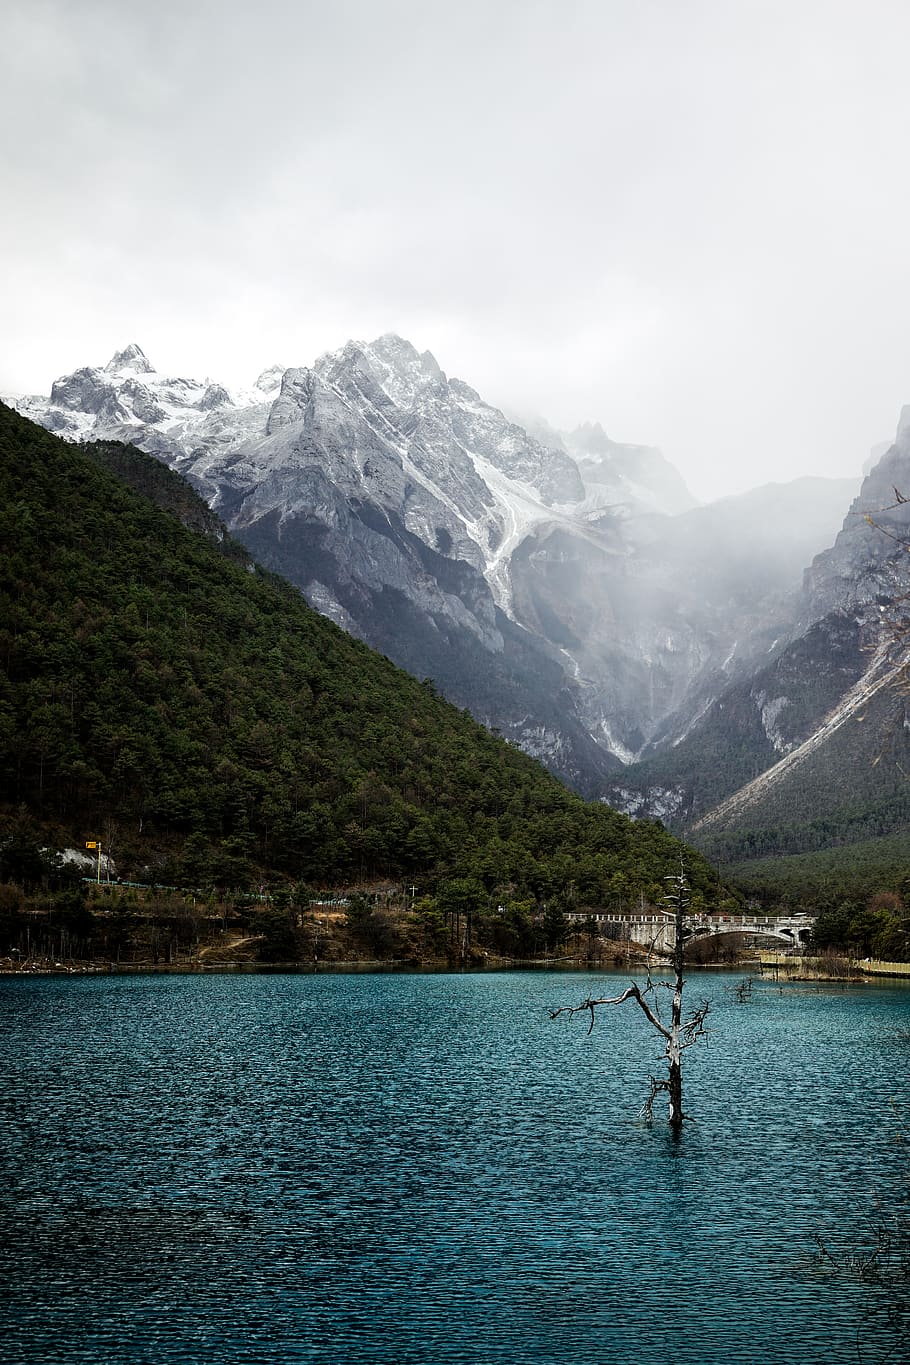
column 678, row 1034
column 742, row 991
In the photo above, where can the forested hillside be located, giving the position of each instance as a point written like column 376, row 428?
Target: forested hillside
column 157, row 684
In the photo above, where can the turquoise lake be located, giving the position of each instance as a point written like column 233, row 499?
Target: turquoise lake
column 426, row 1168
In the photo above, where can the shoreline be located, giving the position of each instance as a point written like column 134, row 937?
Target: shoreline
column 778, row 968
column 808, row 968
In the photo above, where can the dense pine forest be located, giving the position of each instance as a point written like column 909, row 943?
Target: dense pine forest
column 160, row 691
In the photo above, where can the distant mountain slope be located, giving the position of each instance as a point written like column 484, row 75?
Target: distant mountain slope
column 812, row 750
column 158, row 688
column 749, row 727
column 847, row 782
column 554, row 584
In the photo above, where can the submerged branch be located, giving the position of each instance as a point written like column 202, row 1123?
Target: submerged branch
column 646, row 1111
column 694, row 1028
column 632, row 992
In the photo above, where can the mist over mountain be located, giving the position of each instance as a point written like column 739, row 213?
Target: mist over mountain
column 639, row 476
column 562, row 586
column 808, row 753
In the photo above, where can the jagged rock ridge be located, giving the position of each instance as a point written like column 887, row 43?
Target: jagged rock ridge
column 546, row 584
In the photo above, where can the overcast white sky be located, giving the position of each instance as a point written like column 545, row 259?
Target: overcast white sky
column 687, row 219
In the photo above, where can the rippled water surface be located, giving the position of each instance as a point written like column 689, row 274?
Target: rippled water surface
column 422, row 1169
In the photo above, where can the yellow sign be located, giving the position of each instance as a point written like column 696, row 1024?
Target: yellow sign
column 93, row 844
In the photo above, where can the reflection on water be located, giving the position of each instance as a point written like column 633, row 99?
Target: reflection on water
column 425, row 1168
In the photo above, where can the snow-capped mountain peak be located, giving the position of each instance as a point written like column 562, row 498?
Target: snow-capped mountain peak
column 423, row 518
column 269, row 381
column 129, row 400
column 131, row 360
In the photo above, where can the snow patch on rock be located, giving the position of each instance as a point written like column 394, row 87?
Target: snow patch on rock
column 770, row 709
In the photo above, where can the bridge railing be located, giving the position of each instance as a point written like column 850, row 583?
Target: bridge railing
column 744, row 921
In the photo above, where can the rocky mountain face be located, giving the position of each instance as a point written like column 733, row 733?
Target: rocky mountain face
column 562, row 586
column 811, row 749
column 864, row 566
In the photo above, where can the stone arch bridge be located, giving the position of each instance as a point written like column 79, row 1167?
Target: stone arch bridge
column 655, row 928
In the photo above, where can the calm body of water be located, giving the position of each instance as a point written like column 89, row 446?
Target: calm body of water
column 421, row 1169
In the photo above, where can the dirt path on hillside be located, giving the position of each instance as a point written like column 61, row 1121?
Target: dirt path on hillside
column 229, row 947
